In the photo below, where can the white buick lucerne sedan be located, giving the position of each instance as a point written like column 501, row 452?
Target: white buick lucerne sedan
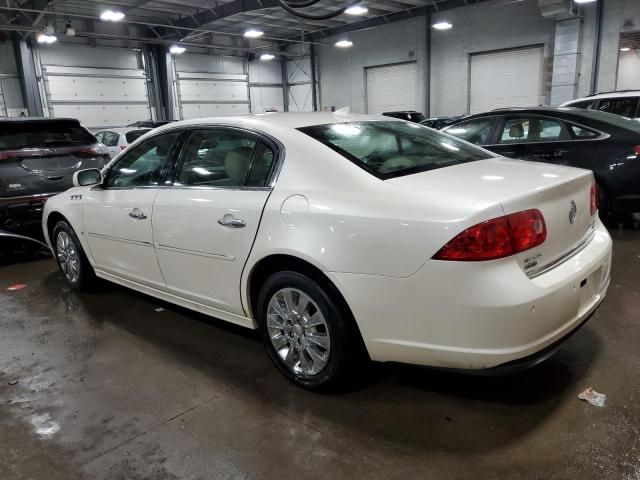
column 344, row 238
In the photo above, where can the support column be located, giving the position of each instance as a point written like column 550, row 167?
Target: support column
column 564, row 81
column 285, row 84
column 161, row 71
column 427, row 66
column 28, row 78
column 314, row 82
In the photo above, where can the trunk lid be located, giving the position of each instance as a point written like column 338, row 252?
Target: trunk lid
column 561, row 193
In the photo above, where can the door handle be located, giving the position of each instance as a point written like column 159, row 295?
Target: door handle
column 230, row 221
column 137, row 214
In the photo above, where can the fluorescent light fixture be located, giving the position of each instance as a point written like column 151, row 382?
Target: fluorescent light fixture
column 111, row 16
column 253, row 33
column 69, row 31
column 48, row 29
column 584, row 1
column 46, row 38
column 625, row 49
column 442, row 25
column 344, row 43
column 356, row 10
column 176, row 50
column 265, row 57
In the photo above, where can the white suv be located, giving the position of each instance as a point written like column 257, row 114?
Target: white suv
column 625, row 103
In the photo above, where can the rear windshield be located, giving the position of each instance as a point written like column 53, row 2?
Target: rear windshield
column 615, row 120
column 394, row 149
column 42, row 134
column 135, row 134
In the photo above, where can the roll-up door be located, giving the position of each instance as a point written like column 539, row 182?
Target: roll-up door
column 101, row 87
column 391, row 87
column 211, row 85
column 509, row 78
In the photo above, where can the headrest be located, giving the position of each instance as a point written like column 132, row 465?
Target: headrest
column 236, row 163
column 516, row 131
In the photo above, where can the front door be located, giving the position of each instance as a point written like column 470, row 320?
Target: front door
column 205, row 225
column 117, row 216
column 541, row 139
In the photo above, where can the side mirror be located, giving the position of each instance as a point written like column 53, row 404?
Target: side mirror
column 85, row 178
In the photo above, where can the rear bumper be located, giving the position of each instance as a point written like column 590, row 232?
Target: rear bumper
column 22, row 212
column 476, row 316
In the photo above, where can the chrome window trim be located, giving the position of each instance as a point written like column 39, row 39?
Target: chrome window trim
column 602, row 136
column 271, row 141
column 577, row 248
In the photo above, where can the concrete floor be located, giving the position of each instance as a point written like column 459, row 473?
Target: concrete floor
column 108, row 387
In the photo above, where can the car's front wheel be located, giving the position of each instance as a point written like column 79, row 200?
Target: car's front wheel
column 306, row 332
column 73, row 262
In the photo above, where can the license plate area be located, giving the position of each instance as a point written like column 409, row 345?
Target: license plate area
column 589, row 287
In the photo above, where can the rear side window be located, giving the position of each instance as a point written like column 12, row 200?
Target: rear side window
column 135, row 134
column 626, row 107
column 393, row 149
column 475, row 131
column 532, row 130
column 110, row 139
column 43, row 134
column 586, row 104
column 582, row 133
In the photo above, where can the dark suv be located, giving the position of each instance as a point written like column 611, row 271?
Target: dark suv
column 38, row 157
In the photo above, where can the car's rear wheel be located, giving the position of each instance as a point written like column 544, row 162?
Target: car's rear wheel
column 307, row 334
column 73, row 262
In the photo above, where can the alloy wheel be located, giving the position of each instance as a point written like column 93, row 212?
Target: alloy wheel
column 68, row 257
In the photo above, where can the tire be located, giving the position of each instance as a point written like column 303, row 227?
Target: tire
column 72, row 261
column 323, row 328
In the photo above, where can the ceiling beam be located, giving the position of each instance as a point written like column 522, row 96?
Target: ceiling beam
column 225, row 10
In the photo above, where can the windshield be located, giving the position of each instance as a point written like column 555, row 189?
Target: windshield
column 43, row 134
column 393, row 149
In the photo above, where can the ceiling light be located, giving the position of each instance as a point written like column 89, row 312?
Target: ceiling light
column 111, row 16
column 253, row 33
column 442, row 25
column 584, row 1
column 176, row 50
column 344, row 43
column 625, row 49
column 356, row 10
column 46, row 38
column 265, row 57
column 48, row 29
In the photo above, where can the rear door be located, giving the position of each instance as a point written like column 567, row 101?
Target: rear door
column 117, row 216
column 204, row 226
column 532, row 137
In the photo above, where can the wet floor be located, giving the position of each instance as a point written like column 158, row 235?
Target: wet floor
column 105, row 386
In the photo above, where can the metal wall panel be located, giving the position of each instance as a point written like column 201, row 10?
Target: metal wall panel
column 300, row 98
column 564, row 81
column 11, row 102
column 101, row 87
column 209, row 63
column 266, row 99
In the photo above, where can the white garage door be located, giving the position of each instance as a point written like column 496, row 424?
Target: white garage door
column 391, row 88
column 511, row 78
column 211, row 85
column 101, row 87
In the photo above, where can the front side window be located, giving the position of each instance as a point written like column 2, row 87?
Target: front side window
column 626, row 107
column 475, row 131
column 532, row 130
column 224, row 158
column 144, row 164
column 392, row 149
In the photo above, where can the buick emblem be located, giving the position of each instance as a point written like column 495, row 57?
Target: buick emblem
column 573, row 211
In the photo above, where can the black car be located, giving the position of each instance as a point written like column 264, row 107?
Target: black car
column 605, row 143
column 439, row 123
column 408, row 115
column 150, row 123
column 38, row 157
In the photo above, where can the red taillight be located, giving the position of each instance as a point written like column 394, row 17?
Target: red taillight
column 636, row 149
column 497, row 238
column 594, row 199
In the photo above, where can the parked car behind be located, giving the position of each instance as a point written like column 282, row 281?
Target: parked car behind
column 439, row 122
column 150, row 123
column 38, row 157
column 117, row 139
column 408, row 115
column 603, row 142
column 625, row 103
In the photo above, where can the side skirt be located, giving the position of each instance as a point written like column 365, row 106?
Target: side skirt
column 183, row 302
